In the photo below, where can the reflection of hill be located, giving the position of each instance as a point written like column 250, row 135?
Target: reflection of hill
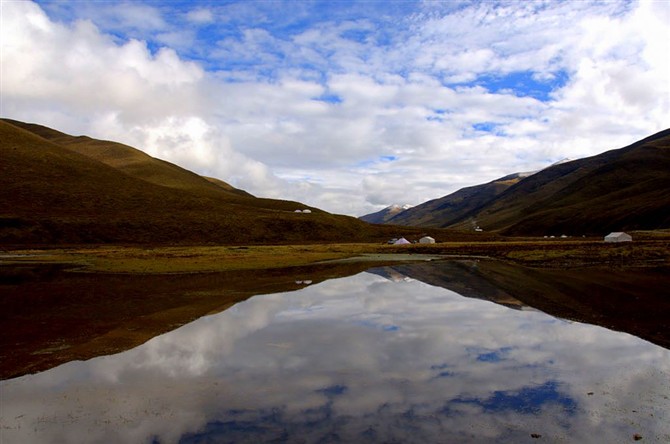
column 462, row 277
column 48, row 317
column 634, row 300
column 631, row 300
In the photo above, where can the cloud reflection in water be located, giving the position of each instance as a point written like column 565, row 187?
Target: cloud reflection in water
column 359, row 359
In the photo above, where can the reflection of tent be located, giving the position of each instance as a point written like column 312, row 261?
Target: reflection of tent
column 618, row 236
column 426, row 240
column 401, row 241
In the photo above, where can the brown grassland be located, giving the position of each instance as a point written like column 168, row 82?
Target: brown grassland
column 649, row 248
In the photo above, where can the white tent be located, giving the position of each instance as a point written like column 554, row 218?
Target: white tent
column 426, row 240
column 618, row 236
column 401, row 241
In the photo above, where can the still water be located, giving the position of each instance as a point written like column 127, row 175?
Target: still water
column 376, row 357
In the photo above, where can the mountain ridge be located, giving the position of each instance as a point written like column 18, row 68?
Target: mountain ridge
column 620, row 189
column 385, row 214
column 443, row 211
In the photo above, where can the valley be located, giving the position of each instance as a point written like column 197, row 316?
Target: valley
column 106, row 247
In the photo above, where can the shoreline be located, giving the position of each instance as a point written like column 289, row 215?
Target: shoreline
column 155, row 259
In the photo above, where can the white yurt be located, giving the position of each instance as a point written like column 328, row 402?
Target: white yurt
column 618, row 236
column 427, row 240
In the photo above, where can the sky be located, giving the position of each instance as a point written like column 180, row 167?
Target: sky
column 348, row 106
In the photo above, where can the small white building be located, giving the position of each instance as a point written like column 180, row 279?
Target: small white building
column 306, row 210
column 401, row 241
column 618, row 236
column 426, row 240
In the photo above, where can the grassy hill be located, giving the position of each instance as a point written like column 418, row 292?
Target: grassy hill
column 60, row 189
column 623, row 189
column 131, row 161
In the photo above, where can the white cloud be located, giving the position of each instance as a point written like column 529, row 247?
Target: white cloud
column 200, row 16
column 307, row 114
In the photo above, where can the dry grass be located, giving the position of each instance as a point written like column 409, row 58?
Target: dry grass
column 199, row 259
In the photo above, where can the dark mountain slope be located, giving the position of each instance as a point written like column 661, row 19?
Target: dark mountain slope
column 623, row 189
column 451, row 208
column 53, row 194
column 383, row 216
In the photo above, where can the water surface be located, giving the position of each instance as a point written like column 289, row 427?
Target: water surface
column 376, row 357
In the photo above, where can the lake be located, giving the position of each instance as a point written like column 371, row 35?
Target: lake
column 376, row 357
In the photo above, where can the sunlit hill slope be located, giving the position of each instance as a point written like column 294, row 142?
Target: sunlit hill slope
column 59, row 189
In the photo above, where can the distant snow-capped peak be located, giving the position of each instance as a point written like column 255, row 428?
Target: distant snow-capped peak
column 396, row 207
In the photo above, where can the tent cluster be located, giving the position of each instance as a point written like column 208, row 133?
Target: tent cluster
column 303, row 211
column 403, row 241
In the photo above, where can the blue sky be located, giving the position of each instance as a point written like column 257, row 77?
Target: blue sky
column 350, row 105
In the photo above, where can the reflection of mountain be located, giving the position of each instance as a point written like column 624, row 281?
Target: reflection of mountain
column 93, row 314
column 390, row 273
column 629, row 300
column 322, row 365
column 462, row 277
column 633, row 300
